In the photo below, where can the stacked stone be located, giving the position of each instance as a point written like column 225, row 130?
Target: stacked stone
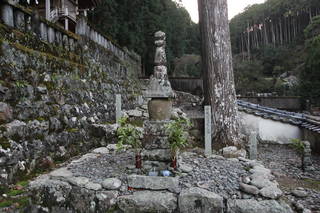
column 157, row 153
column 306, row 158
column 159, row 85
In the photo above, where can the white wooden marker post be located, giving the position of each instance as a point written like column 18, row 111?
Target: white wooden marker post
column 118, row 107
column 207, row 130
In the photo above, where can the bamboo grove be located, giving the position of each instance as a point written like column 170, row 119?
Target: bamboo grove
column 275, row 22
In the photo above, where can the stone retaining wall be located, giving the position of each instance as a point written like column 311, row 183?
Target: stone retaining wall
column 25, row 20
column 50, row 96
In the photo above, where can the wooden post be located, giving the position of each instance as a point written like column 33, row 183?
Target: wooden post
column 66, row 20
column 48, row 10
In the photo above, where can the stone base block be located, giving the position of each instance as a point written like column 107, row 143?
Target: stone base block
column 157, row 155
column 155, row 127
column 155, row 142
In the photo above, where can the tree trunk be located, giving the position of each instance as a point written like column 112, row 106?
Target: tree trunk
column 218, row 72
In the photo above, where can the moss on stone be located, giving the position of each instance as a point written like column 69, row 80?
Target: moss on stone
column 72, row 130
column 4, row 142
column 41, row 119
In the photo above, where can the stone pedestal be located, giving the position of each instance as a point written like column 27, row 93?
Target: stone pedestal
column 157, row 153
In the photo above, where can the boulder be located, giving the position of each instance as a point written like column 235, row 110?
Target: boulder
column 148, row 201
column 153, row 183
column 197, row 200
column 254, row 206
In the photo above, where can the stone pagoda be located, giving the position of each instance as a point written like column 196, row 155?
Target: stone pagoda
column 157, row 154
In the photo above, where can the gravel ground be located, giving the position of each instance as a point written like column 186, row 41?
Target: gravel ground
column 286, row 165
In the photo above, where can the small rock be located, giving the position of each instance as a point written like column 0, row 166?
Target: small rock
column 111, row 183
column 260, row 182
column 300, row 193
column 134, row 113
column 78, row 181
column 249, row 189
column 185, row 168
column 61, row 173
column 233, row 152
column 272, row 192
column 246, row 180
column 93, row 186
column 101, row 150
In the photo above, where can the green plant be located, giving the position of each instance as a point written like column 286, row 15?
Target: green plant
column 128, row 134
column 178, row 136
column 298, row 145
column 21, row 84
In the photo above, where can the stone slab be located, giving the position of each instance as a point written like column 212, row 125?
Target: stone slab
column 153, row 183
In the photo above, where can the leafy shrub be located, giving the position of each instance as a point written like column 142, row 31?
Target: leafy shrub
column 128, row 134
column 178, row 136
column 297, row 145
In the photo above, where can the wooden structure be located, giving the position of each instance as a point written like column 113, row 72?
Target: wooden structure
column 64, row 12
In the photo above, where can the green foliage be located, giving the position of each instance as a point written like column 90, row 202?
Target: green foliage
column 249, row 77
column 127, row 134
column 310, row 77
column 6, row 203
column 21, row 84
column 132, row 23
column 15, row 192
column 297, row 145
column 313, row 29
column 178, row 135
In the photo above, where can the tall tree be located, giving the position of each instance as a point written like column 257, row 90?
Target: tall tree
column 218, row 71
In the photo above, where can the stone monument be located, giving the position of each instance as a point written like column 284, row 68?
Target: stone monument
column 157, row 154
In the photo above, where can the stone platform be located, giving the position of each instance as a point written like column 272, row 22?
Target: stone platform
column 105, row 181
